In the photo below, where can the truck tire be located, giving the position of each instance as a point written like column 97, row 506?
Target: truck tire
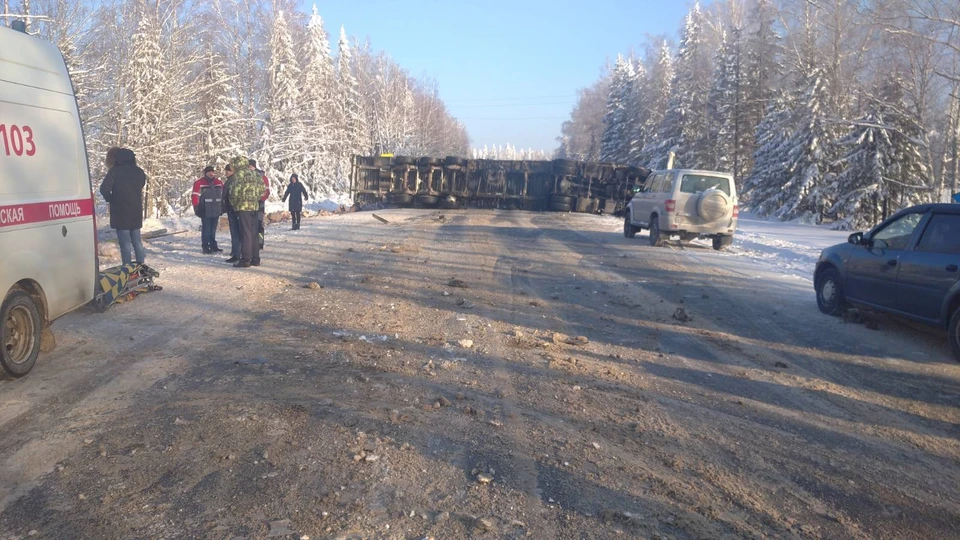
column 382, row 162
column 560, row 207
column 20, row 333
column 404, row 160
column 399, row 198
column 449, row 202
column 428, row 162
column 454, row 161
column 656, row 239
column 629, row 230
column 561, row 199
column 425, row 201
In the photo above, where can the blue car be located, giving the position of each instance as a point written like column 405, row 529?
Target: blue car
column 908, row 265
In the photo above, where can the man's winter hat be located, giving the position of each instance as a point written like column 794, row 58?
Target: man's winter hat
column 252, row 163
column 208, row 169
column 294, row 176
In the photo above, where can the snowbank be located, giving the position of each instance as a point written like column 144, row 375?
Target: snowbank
column 790, row 247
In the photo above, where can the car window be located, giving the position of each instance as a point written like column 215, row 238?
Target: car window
column 654, row 183
column 942, row 234
column 896, row 234
column 667, row 185
column 696, row 183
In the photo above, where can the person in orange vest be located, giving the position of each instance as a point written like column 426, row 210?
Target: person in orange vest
column 263, row 200
column 208, row 205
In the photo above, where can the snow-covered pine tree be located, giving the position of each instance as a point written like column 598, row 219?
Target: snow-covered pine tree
column 282, row 142
column 684, row 127
column 861, row 188
column 352, row 117
column 761, row 188
column 658, row 85
column 220, row 124
column 635, row 116
column 147, row 87
column 884, row 168
column 806, row 192
column 721, row 104
column 320, row 125
column 762, row 70
column 615, row 142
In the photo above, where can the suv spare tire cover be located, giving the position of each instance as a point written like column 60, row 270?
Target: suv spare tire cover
column 713, row 205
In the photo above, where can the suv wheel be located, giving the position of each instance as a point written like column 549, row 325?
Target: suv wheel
column 656, row 239
column 721, row 241
column 953, row 334
column 629, row 230
column 830, row 292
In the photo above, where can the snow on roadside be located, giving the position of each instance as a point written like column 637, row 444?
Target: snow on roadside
column 789, row 247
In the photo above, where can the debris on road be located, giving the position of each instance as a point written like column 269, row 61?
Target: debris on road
column 380, row 219
column 465, row 304
column 563, row 338
column 681, row 315
column 465, row 343
column 313, row 285
column 458, row 284
column 280, row 528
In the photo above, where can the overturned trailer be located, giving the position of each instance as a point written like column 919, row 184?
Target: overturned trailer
column 561, row 185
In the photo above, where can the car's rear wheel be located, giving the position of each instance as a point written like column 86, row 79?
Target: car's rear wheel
column 656, row 239
column 629, row 230
column 20, row 332
column 830, row 292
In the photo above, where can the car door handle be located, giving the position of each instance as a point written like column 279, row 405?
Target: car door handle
column 892, row 262
column 952, row 268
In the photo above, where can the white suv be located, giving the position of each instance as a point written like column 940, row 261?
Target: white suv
column 686, row 203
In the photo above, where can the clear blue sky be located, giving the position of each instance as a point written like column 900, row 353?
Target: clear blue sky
column 508, row 69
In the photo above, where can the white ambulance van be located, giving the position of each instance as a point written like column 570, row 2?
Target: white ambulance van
column 48, row 252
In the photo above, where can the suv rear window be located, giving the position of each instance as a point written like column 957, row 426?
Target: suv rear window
column 696, row 183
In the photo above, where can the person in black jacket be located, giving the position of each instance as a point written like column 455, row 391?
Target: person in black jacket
column 297, row 194
column 122, row 188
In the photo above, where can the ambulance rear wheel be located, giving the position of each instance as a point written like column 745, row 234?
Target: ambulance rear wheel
column 20, row 330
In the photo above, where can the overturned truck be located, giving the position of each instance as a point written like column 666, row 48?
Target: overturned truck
column 561, row 185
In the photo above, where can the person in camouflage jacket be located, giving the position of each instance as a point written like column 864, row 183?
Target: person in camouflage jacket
column 247, row 187
column 244, row 195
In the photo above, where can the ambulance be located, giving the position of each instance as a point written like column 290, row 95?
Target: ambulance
column 48, row 250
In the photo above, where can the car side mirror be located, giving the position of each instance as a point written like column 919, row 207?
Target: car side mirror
column 856, row 238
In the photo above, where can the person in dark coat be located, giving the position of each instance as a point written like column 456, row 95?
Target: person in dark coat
column 297, row 194
column 122, row 188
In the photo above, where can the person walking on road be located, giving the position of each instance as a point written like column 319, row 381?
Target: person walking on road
column 232, row 218
column 245, row 193
column 122, row 188
column 208, row 205
column 297, row 194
